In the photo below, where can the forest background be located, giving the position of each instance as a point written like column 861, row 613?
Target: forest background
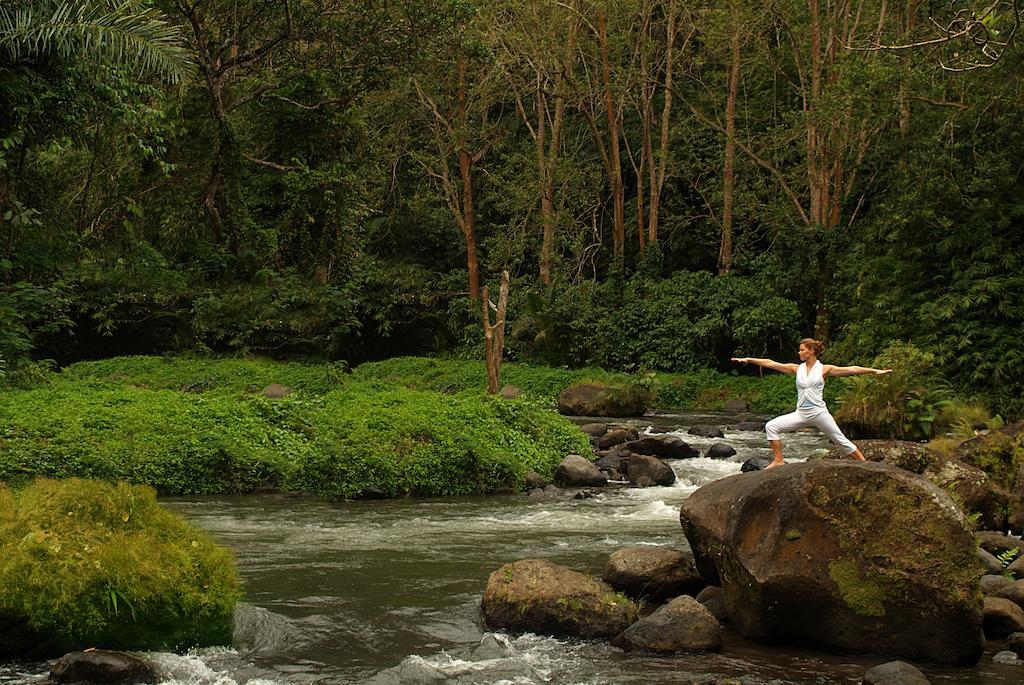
column 669, row 183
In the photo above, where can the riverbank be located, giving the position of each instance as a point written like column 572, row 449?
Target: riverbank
column 404, row 426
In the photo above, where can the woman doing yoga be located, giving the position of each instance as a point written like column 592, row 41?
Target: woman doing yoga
column 810, row 401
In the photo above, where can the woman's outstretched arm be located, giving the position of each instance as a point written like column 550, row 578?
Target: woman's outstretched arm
column 768, row 364
column 831, row 370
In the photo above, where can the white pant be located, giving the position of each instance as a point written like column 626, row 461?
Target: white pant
column 821, row 420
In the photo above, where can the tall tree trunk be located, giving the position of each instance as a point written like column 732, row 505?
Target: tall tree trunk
column 552, row 155
column 658, row 177
column 726, row 249
column 466, row 173
column 614, row 160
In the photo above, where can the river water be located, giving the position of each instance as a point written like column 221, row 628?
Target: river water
column 388, row 592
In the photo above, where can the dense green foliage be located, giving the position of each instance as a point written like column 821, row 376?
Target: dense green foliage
column 700, row 390
column 98, row 565
column 294, row 187
column 203, row 426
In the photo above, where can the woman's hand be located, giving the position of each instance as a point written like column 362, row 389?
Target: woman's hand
column 742, row 360
column 882, row 372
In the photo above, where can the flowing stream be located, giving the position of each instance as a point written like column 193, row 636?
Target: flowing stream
column 388, row 592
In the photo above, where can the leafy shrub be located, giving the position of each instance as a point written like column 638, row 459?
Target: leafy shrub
column 405, row 441
column 104, row 565
column 196, row 374
column 903, row 404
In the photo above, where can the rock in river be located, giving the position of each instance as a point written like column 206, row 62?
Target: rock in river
column 538, row 596
column 654, row 573
column 863, row 557
column 682, row 625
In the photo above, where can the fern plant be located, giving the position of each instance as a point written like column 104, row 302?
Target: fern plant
column 126, row 31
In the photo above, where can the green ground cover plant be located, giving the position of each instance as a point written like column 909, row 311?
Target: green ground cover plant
column 91, row 564
column 115, row 420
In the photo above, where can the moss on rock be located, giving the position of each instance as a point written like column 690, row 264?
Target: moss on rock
column 84, row 563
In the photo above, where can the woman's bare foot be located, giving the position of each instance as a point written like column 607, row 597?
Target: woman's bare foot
column 774, row 464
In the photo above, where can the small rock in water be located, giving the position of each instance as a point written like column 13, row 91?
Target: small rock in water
column 551, row 490
column 749, row 426
column 583, row 494
column 1015, row 643
column 534, row 480
column 594, row 430
column 1006, row 657
column 644, row 482
column 755, row 464
column 492, row 647
column 613, row 438
column 536, row 492
column 681, row 625
column 102, row 666
column 895, row 673
column 720, row 451
column 707, row 432
column 372, row 493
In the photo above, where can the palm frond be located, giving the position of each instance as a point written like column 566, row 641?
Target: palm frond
column 129, row 32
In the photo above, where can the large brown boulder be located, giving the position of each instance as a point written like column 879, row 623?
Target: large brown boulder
column 909, row 456
column 972, row 490
column 595, row 399
column 682, row 625
column 863, row 557
column 654, row 573
column 538, row 596
column 1000, row 454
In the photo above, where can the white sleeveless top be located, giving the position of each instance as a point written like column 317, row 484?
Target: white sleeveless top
column 810, row 388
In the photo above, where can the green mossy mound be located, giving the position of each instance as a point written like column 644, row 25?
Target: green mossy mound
column 334, row 437
column 88, row 564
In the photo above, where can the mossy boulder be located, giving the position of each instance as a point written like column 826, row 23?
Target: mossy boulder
column 862, row 557
column 601, row 399
column 973, row 490
column 1000, row 454
column 909, row 456
column 89, row 564
column 538, row 596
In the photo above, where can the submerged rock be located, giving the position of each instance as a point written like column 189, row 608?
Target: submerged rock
column 682, row 625
column 102, row 666
column 538, row 596
column 654, row 573
column 862, row 557
column 895, row 673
